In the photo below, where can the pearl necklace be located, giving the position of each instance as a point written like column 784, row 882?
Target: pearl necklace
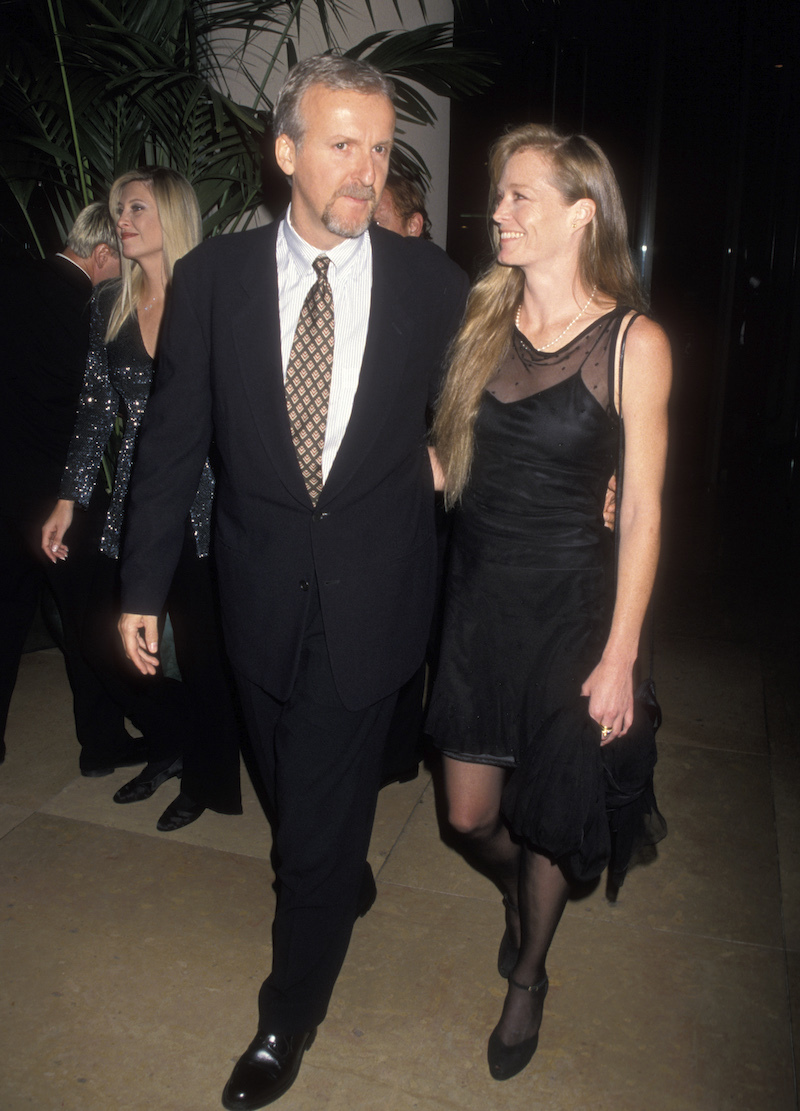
column 574, row 320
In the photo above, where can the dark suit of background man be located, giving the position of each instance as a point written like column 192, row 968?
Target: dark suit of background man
column 44, row 321
column 326, row 603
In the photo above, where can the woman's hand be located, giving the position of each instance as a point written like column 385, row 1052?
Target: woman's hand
column 54, row 528
column 609, row 689
column 610, row 504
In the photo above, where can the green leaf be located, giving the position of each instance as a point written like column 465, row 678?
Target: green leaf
column 145, row 81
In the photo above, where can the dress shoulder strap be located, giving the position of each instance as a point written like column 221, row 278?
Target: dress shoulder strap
column 616, row 355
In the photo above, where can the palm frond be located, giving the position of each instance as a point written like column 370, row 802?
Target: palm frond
column 146, row 81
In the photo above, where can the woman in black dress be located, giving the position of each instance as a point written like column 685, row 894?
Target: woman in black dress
column 190, row 728
column 535, row 674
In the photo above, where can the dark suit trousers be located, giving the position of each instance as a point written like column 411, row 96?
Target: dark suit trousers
column 211, row 756
column 194, row 718
column 321, row 767
column 99, row 719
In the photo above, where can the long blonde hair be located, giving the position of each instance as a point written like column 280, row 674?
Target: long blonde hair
column 578, row 169
column 181, row 226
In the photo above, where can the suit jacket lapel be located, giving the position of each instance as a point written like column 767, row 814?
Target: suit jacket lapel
column 257, row 338
column 380, row 377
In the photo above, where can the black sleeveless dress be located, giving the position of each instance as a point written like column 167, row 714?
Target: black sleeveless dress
column 529, row 590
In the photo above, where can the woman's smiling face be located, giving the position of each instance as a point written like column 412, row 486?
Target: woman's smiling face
column 534, row 222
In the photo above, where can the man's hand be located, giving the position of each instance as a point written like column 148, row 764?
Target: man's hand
column 139, row 632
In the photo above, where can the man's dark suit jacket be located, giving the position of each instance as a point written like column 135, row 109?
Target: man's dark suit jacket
column 45, row 326
column 369, row 543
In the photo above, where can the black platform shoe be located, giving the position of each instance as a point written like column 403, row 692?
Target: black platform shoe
column 266, row 1070
column 506, row 1061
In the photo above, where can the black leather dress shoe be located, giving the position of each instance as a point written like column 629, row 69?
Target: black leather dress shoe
column 148, row 781
column 267, row 1068
column 181, row 812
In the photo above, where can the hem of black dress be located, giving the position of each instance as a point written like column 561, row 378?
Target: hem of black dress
column 479, row 758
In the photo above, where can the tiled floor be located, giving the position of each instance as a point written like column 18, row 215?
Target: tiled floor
column 130, row 959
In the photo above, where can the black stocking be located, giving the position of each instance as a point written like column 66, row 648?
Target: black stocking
column 543, row 892
column 492, row 851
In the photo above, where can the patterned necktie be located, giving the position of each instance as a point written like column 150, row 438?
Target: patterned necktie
column 308, row 377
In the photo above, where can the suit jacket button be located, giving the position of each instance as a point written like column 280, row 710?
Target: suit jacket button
column 318, row 515
column 304, row 584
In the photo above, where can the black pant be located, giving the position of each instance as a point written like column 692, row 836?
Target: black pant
column 321, row 767
column 195, row 717
column 24, row 571
column 211, row 755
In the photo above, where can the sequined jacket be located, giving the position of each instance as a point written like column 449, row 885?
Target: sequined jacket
column 118, row 379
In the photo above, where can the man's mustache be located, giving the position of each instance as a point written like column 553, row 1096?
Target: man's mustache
column 357, row 192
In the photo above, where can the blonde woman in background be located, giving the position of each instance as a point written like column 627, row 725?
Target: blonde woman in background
column 189, row 727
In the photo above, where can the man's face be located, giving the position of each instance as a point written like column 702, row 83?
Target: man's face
column 339, row 167
column 387, row 216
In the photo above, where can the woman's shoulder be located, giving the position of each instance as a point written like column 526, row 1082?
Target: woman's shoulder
column 645, row 336
column 648, row 357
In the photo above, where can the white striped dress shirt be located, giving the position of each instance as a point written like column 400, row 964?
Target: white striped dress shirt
column 350, row 277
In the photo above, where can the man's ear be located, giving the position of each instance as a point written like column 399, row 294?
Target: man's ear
column 414, row 225
column 105, row 263
column 285, row 154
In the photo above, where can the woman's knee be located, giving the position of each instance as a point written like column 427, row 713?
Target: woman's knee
column 473, row 821
column 473, row 798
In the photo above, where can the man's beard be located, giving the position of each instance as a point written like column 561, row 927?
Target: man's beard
column 350, row 229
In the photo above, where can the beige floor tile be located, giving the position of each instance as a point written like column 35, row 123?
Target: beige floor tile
column 127, row 963
column 42, row 750
column 793, row 973
column 396, row 804
column 786, row 786
column 782, row 700
column 11, row 816
column 711, row 692
column 716, row 873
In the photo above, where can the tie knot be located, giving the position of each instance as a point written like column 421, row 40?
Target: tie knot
column 321, row 264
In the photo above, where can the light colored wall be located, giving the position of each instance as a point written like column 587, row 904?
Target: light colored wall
column 431, row 142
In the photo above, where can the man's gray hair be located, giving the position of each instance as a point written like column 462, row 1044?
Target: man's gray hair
column 334, row 72
column 92, row 227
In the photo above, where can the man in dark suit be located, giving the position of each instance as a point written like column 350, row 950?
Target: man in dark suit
column 326, row 561
column 44, row 314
